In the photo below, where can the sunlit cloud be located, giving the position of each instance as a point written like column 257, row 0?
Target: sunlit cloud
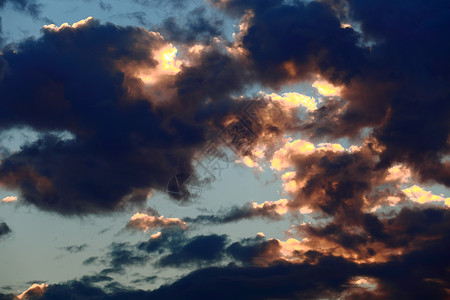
column 326, row 88
column 294, row 99
column 35, row 290
column 399, row 173
column 9, row 199
column 419, row 195
column 290, row 185
column 346, row 25
column 282, row 158
column 365, row 282
column 168, row 65
column 145, row 222
column 155, row 235
column 81, row 23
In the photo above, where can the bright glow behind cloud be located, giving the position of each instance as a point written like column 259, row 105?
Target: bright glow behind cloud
column 294, row 99
column 326, row 88
column 167, row 65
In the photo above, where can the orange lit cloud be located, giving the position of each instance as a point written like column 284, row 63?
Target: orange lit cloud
column 398, row 173
column 145, row 222
column 290, row 185
column 156, row 235
column 346, row 25
column 33, row 291
column 9, row 199
column 282, row 158
column 167, row 65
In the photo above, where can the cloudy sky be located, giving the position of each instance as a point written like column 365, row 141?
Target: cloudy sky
column 224, row 149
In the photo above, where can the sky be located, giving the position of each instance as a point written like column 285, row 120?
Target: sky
column 224, row 149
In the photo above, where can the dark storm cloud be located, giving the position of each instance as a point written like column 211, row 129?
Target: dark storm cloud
column 77, row 289
column 76, row 94
column 284, row 281
column 123, row 255
column 377, row 238
column 4, row 229
column 170, row 238
column 414, row 52
column 254, row 251
column 179, row 250
column 198, row 27
column 338, row 182
column 81, row 81
column 419, row 274
column 414, row 276
column 299, row 40
column 347, row 187
column 174, row 248
column 394, row 72
column 200, row 249
column 81, row 94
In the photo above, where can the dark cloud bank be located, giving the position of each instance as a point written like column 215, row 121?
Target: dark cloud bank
column 393, row 66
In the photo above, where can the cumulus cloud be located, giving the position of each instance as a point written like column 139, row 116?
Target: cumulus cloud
column 145, row 222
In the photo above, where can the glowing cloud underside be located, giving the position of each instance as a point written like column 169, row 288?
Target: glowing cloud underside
column 327, row 89
column 167, row 65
